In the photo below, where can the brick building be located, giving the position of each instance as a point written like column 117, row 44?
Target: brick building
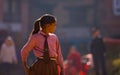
column 17, row 16
column 13, row 19
column 14, row 15
column 108, row 16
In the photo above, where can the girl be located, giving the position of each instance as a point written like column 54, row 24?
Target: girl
column 46, row 48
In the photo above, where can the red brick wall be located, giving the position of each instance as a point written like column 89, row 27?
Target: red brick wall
column 111, row 18
column 111, row 21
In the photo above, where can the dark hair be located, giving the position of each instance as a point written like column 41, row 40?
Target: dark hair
column 42, row 21
column 47, row 19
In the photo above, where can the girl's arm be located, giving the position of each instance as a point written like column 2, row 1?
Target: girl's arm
column 60, row 58
column 25, row 52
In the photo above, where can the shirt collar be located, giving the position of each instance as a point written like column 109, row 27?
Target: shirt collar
column 41, row 32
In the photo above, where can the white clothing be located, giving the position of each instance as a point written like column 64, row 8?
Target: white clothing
column 8, row 54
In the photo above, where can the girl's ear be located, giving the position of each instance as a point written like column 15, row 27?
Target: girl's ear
column 47, row 25
column 44, row 27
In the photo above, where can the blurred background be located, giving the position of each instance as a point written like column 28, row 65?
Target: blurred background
column 75, row 18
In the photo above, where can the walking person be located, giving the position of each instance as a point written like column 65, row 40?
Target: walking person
column 46, row 48
column 97, row 48
column 8, row 57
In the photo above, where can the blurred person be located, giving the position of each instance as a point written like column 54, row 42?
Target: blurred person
column 87, row 63
column 46, row 48
column 98, row 50
column 7, row 56
column 73, row 65
column 97, row 47
column 90, row 58
column 4, row 34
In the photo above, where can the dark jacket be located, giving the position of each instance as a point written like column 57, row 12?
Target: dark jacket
column 97, row 46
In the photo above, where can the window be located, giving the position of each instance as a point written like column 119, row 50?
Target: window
column 12, row 11
column 116, row 7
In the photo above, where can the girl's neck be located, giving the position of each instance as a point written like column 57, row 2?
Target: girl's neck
column 45, row 32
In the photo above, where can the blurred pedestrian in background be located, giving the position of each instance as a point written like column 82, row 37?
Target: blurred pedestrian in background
column 86, row 64
column 97, row 48
column 7, row 56
column 73, row 66
column 46, row 48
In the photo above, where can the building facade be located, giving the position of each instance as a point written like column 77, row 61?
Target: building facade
column 14, row 15
column 108, row 16
column 18, row 16
column 14, row 20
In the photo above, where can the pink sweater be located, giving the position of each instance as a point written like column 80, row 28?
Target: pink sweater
column 36, row 43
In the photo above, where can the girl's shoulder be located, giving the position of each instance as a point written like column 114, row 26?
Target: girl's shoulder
column 33, row 36
column 52, row 35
